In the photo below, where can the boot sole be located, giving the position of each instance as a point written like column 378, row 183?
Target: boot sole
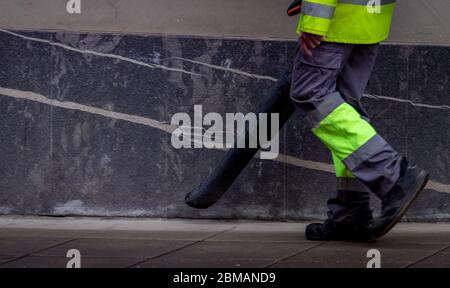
column 419, row 187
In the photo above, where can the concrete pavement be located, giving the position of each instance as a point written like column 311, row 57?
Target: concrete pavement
column 149, row 243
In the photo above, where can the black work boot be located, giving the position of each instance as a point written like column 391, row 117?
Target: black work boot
column 397, row 201
column 354, row 228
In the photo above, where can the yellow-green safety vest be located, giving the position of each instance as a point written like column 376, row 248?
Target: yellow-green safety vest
column 347, row 21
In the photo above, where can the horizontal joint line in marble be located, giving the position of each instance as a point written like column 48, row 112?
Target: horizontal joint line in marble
column 31, row 96
column 264, row 77
column 226, row 69
column 232, row 70
column 286, row 159
column 113, row 56
column 378, row 97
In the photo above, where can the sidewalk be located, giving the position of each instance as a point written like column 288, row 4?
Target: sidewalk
column 44, row 242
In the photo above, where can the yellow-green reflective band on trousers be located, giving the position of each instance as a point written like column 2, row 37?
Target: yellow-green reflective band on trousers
column 317, row 10
column 367, row 2
column 344, row 131
column 340, row 168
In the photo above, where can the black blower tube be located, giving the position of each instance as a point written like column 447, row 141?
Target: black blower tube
column 295, row 8
column 236, row 159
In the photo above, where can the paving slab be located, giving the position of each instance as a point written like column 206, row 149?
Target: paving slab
column 440, row 260
column 282, row 237
column 106, row 234
column 206, row 263
column 3, row 259
column 61, row 262
column 52, row 223
column 117, row 228
column 172, row 225
column 354, row 255
column 116, row 224
column 22, row 246
column 264, row 232
column 228, row 254
column 187, row 244
column 421, row 228
column 116, row 248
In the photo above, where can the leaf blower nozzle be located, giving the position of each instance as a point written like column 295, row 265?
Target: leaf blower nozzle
column 295, row 8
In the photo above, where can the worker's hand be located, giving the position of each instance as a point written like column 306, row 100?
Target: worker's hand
column 309, row 42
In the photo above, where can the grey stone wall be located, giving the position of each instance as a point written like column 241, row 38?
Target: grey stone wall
column 84, row 125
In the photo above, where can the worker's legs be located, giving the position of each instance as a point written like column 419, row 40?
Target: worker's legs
column 351, row 196
column 338, row 124
column 318, row 88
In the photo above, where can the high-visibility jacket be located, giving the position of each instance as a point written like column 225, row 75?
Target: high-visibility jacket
column 348, row 21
